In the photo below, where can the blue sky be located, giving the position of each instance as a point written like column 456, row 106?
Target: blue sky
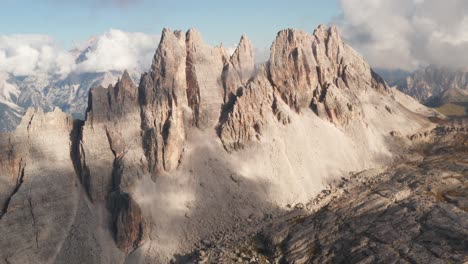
column 219, row 21
column 404, row 34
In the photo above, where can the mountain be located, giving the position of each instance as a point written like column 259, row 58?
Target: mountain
column 46, row 91
column 10, row 111
column 443, row 88
column 206, row 149
column 393, row 76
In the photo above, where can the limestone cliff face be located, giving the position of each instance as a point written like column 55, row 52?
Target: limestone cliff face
column 111, row 135
column 204, row 85
column 318, row 72
column 163, row 99
column 39, row 187
column 154, row 164
column 111, row 157
column 238, row 69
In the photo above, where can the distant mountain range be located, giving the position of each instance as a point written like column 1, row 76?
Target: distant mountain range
column 68, row 92
column 443, row 88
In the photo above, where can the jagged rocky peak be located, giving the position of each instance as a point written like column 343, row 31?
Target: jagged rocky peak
column 293, row 68
column 244, row 119
column 205, row 89
column 163, row 99
column 113, row 117
column 238, row 69
column 109, row 159
column 112, row 102
column 318, row 72
column 36, row 119
column 39, row 199
column 243, row 59
column 303, row 67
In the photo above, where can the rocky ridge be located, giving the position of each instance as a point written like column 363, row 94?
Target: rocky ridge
column 205, row 141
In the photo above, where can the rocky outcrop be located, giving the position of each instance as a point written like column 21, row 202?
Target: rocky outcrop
column 292, row 68
column 239, row 69
column 318, row 72
column 244, row 121
column 110, row 135
column 112, row 158
column 127, row 221
column 204, row 85
column 163, row 98
column 39, row 187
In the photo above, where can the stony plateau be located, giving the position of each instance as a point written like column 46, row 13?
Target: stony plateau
column 205, row 150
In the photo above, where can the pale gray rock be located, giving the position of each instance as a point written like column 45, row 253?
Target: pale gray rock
column 42, row 188
column 243, row 59
column 244, row 121
column 240, row 68
column 163, row 97
column 293, row 68
column 112, row 158
column 318, row 72
column 205, row 90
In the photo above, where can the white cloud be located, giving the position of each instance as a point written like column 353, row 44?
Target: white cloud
column 119, row 50
column 39, row 54
column 32, row 54
column 407, row 33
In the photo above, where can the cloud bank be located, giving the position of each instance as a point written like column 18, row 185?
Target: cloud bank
column 119, row 50
column 407, row 34
column 32, row 54
column 22, row 55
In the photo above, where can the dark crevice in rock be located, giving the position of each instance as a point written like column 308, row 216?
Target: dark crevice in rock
column 126, row 221
column 268, row 75
column 167, row 124
column 319, row 95
column 147, row 132
column 227, row 108
column 227, row 94
column 33, row 217
column 109, row 99
column 193, row 90
column 19, row 182
column 30, row 122
column 77, row 155
column 127, row 224
column 109, row 140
